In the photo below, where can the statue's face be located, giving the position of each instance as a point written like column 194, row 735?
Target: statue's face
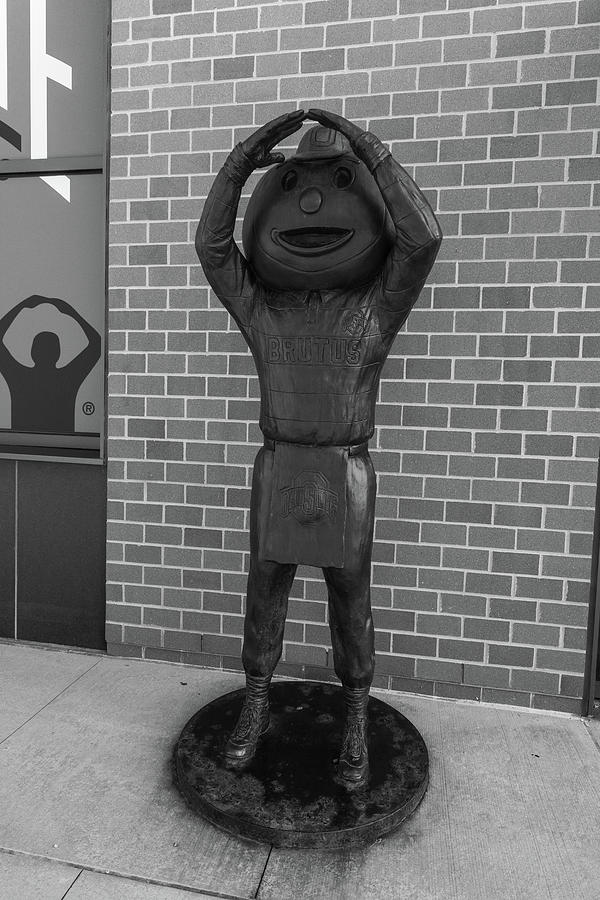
column 319, row 224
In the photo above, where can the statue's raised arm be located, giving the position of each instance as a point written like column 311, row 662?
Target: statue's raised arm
column 224, row 265
column 417, row 233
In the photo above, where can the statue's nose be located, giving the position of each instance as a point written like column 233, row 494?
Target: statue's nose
column 311, row 200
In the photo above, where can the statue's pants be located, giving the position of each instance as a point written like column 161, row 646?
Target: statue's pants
column 269, row 583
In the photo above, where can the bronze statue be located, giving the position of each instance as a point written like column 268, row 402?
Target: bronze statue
column 339, row 241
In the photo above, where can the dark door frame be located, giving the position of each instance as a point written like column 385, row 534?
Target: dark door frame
column 591, row 684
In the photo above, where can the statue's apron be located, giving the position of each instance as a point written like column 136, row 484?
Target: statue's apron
column 307, row 511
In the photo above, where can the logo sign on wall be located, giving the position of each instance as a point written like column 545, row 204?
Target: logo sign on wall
column 52, row 293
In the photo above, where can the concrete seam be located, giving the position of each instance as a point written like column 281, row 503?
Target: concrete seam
column 75, row 880
column 46, row 705
column 257, row 893
column 103, row 871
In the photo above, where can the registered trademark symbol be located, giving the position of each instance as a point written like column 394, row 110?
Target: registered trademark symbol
column 88, row 408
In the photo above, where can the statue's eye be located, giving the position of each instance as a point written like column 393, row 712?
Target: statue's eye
column 289, row 180
column 343, row 177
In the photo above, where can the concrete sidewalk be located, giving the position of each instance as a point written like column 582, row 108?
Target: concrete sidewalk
column 88, row 810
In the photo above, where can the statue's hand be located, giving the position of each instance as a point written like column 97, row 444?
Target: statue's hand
column 365, row 145
column 339, row 123
column 258, row 146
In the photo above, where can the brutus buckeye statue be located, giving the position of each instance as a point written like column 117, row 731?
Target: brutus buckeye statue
column 338, row 241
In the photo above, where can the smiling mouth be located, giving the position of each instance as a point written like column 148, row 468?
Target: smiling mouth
column 312, row 241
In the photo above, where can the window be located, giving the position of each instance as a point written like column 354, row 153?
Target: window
column 53, row 90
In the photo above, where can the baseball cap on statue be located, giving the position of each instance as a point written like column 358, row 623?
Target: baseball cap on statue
column 322, row 143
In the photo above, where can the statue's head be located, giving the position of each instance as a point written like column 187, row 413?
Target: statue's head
column 318, row 220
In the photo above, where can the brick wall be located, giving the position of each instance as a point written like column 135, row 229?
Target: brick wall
column 487, row 426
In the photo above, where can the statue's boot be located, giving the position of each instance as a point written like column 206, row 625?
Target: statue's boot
column 353, row 764
column 252, row 723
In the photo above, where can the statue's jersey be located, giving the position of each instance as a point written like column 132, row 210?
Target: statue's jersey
column 319, row 356
column 319, row 359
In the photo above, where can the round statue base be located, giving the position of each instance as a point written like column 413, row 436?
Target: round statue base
column 290, row 795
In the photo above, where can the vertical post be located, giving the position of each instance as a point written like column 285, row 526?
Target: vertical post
column 591, row 660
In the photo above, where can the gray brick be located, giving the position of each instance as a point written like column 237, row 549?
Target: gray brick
column 588, row 12
column 511, row 147
column 517, row 96
column 443, row 76
column 458, row 691
column 571, row 686
column 575, row 638
column 227, row 68
column 584, row 169
column 527, row 370
column 497, row 20
column 414, row 645
column 513, row 698
column 487, row 629
column 156, row 27
column 521, row 43
column 318, row 11
column 560, row 660
column 464, row 604
column 461, row 49
column 566, row 40
column 481, row 583
column 446, row 24
column 164, row 7
column 463, row 650
column 394, row 665
column 438, row 624
column 587, row 65
column 410, row 53
column 439, row 670
column 237, row 20
column 487, row 676
column 321, row 60
column 564, row 93
column 389, row 129
column 549, row 445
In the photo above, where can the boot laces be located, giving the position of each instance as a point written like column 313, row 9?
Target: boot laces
column 248, row 722
column 354, row 738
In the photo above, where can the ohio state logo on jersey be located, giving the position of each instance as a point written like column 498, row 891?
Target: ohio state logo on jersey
column 309, row 499
column 354, row 322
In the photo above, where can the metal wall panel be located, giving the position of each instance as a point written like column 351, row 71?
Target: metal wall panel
column 7, row 548
column 61, row 554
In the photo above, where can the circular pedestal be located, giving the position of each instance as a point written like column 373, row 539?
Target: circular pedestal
column 289, row 795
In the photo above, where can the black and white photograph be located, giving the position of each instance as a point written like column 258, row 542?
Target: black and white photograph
column 300, row 449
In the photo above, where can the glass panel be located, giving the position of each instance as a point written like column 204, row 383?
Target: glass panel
column 51, row 313
column 52, row 78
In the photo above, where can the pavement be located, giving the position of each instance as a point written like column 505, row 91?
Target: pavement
column 88, row 810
